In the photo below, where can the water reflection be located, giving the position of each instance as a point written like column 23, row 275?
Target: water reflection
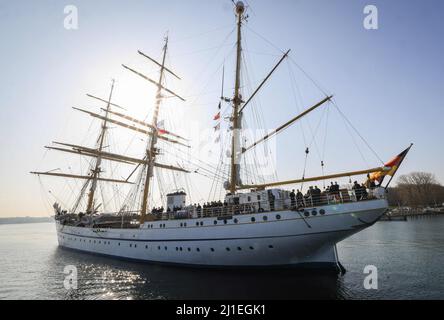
column 108, row 278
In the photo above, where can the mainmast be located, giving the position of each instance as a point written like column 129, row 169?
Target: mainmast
column 151, row 149
column 97, row 169
column 237, row 100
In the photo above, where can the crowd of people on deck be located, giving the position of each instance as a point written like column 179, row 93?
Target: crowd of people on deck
column 313, row 197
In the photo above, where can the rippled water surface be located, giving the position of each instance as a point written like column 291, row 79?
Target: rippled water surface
column 409, row 257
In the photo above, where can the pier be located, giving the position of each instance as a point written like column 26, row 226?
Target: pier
column 404, row 214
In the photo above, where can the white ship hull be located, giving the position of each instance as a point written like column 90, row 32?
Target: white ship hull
column 285, row 242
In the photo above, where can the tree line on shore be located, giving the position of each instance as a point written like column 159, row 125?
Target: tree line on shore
column 416, row 189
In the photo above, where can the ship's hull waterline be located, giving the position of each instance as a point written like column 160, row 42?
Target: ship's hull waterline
column 274, row 239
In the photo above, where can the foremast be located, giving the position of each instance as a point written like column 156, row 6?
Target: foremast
column 97, row 168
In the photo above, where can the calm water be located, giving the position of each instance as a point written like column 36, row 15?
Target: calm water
column 409, row 257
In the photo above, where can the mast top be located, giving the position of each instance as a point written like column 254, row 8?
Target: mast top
column 240, row 7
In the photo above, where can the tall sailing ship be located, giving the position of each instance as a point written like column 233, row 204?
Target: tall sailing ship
column 256, row 225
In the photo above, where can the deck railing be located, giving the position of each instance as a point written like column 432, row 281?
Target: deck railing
column 342, row 196
column 307, row 201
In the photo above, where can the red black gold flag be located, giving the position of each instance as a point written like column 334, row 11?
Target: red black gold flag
column 392, row 166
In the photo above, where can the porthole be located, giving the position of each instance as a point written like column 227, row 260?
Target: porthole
column 212, row 249
column 322, row 211
column 215, row 222
column 189, row 249
column 158, row 248
column 253, row 219
column 201, row 223
column 314, row 212
column 278, row 217
column 166, row 248
column 270, row 246
column 135, row 246
column 236, row 221
column 251, row 248
column 118, row 243
column 197, row 249
column 306, row 213
column 181, row 224
column 146, row 247
column 228, row 249
column 177, row 248
column 180, row 248
column 225, row 221
column 197, row 224
column 131, row 245
column 185, row 224
column 239, row 248
column 265, row 218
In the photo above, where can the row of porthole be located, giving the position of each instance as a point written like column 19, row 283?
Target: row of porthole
column 90, row 241
column 253, row 219
column 166, row 248
column 184, row 224
column 314, row 212
column 150, row 226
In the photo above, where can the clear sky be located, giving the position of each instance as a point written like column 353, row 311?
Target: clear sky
column 389, row 82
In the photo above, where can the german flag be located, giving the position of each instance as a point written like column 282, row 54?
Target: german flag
column 392, row 166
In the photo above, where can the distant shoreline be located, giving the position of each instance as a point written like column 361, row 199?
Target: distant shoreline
column 23, row 220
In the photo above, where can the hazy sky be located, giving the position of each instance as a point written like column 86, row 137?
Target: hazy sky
column 388, row 82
